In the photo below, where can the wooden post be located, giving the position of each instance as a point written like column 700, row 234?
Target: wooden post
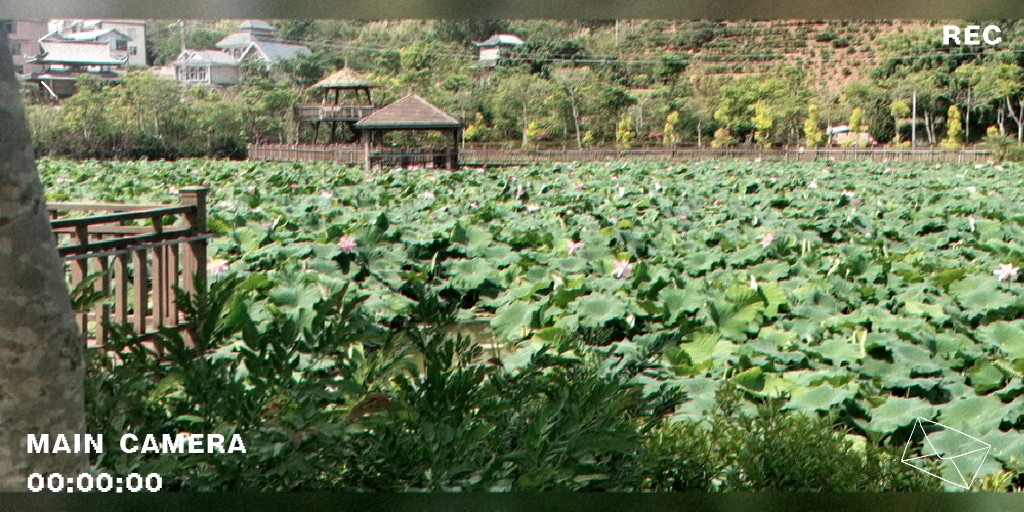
column 194, row 264
column 79, row 271
column 141, row 285
column 366, row 150
column 103, row 309
column 121, row 288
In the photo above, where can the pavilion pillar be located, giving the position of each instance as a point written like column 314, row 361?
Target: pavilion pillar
column 366, row 149
column 453, row 153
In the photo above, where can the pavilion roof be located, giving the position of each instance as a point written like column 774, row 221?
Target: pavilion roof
column 345, row 78
column 410, row 112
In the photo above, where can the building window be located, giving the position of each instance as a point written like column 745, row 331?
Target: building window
column 195, row 74
column 10, row 26
column 121, row 45
column 15, row 48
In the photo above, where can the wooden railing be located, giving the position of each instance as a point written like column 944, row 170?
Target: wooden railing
column 313, row 113
column 141, row 252
column 476, row 155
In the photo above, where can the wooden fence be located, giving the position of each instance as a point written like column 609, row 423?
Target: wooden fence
column 478, row 155
column 140, row 252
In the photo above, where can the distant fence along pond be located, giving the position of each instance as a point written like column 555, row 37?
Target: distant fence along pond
column 470, row 155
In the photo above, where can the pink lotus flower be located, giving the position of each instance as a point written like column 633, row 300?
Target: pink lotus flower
column 573, row 246
column 347, row 244
column 623, row 269
column 519, row 191
column 718, row 202
column 217, row 267
column 252, row 190
column 295, row 186
column 428, row 195
column 767, row 239
column 474, row 205
column 856, row 201
column 683, row 216
column 579, row 185
column 1006, row 271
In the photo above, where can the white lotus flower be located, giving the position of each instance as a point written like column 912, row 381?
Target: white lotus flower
column 252, row 190
column 814, row 184
column 519, row 191
column 532, row 208
column 767, row 239
column 573, row 246
column 971, row 221
column 849, row 194
column 973, row 190
column 621, row 193
column 173, row 191
column 428, row 195
column 657, row 186
column 327, row 195
column 753, row 283
column 623, row 269
column 1006, row 271
column 347, row 244
column 217, row 267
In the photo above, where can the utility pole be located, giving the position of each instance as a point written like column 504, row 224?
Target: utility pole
column 913, row 123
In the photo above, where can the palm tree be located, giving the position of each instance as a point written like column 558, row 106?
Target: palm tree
column 41, row 362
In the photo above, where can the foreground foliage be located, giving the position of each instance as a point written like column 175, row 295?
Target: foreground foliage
column 875, row 293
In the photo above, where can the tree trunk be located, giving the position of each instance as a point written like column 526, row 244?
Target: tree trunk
column 41, row 364
column 576, row 122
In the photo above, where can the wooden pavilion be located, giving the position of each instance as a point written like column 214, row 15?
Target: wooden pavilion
column 352, row 101
column 411, row 113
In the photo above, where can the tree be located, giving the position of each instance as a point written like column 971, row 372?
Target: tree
column 899, row 109
column 626, row 135
column 42, row 373
column 764, row 120
column 812, row 132
column 855, row 127
column 670, row 137
column 955, row 130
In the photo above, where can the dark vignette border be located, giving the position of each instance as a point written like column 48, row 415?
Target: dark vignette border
column 498, row 9
column 516, row 502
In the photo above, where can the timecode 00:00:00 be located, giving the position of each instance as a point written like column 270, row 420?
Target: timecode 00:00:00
column 102, row 482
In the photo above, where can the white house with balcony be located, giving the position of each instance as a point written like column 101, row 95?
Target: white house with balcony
column 206, row 67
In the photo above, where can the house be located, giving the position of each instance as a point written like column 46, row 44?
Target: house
column 491, row 49
column 206, row 67
column 24, row 36
column 80, row 30
column 60, row 62
column 255, row 40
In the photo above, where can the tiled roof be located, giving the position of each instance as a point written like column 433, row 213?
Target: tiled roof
column 497, row 39
column 255, row 25
column 77, row 53
column 345, row 78
column 411, row 111
column 203, row 56
column 235, row 40
column 89, row 35
column 277, row 51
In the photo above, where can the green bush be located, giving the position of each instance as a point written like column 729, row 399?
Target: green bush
column 326, row 399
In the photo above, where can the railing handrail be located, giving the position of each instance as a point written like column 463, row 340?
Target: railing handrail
column 109, row 207
column 122, row 216
column 123, row 243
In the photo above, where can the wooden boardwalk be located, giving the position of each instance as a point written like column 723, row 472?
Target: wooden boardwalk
column 490, row 156
column 137, row 254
